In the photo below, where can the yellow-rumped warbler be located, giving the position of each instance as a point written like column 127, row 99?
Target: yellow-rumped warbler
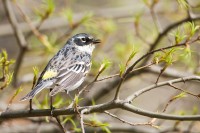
column 68, row 68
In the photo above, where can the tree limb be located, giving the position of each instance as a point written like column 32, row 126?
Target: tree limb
column 18, row 34
column 122, row 104
column 141, row 91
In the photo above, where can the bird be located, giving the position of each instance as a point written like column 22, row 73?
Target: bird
column 68, row 68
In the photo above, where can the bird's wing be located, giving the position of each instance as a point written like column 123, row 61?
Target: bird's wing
column 51, row 70
column 70, row 76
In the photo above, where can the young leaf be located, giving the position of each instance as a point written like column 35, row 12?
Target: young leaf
column 13, row 97
column 109, row 26
column 183, row 3
column 68, row 14
column 146, row 2
column 35, row 72
column 17, row 92
column 195, row 110
column 181, row 95
column 190, row 29
column 107, row 130
column 179, row 36
column 122, row 69
column 4, row 54
column 9, row 78
column 105, row 64
column 77, row 99
column 131, row 57
column 86, row 17
column 50, row 5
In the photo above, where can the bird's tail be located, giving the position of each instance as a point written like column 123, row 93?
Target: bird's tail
column 35, row 91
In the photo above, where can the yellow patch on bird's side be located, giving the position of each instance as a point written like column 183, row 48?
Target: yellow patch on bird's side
column 49, row 74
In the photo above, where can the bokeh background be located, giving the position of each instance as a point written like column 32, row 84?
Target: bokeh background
column 122, row 26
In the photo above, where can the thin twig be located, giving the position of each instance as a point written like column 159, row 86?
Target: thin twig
column 19, row 36
column 41, row 37
column 197, row 96
column 143, row 57
column 81, row 120
column 132, row 124
column 68, row 33
column 122, row 104
column 42, row 20
column 59, row 124
column 168, row 103
column 164, row 83
column 154, row 17
column 112, row 85
column 116, row 75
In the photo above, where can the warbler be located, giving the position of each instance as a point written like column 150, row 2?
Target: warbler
column 68, row 68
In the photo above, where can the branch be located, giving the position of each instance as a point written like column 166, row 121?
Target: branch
column 41, row 37
column 141, row 91
column 166, row 30
column 123, row 104
column 147, row 56
column 132, row 124
column 169, row 72
column 131, row 108
column 60, row 125
column 115, row 128
column 197, row 96
column 18, row 34
column 13, row 21
column 81, row 120
column 111, row 85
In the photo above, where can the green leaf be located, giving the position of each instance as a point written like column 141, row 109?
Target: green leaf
column 68, row 14
column 186, row 54
column 67, row 119
column 179, row 36
column 35, row 71
column 183, row 3
column 122, row 69
column 37, row 103
column 17, row 92
column 105, row 64
column 45, row 10
column 93, row 102
column 50, row 5
column 190, row 29
column 146, row 2
column 74, row 124
column 107, row 130
column 58, row 101
column 133, row 53
column 182, row 112
column 47, row 119
column 9, row 78
column 181, row 95
column 86, row 17
column 4, row 54
column 138, row 16
column 10, row 62
column 109, row 26
column 77, row 99
column 195, row 110
column 167, row 56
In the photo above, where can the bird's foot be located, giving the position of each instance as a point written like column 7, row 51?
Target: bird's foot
column 52, row 109
column 30, row 105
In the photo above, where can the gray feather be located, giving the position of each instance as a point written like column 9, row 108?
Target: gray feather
column 36, row 90
column 71, row 78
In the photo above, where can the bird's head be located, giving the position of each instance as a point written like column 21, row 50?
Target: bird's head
column 84, row 42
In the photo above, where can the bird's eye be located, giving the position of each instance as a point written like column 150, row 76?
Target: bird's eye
column 83, row 39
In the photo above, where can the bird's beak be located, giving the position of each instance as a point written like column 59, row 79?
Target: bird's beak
column 95, row 41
